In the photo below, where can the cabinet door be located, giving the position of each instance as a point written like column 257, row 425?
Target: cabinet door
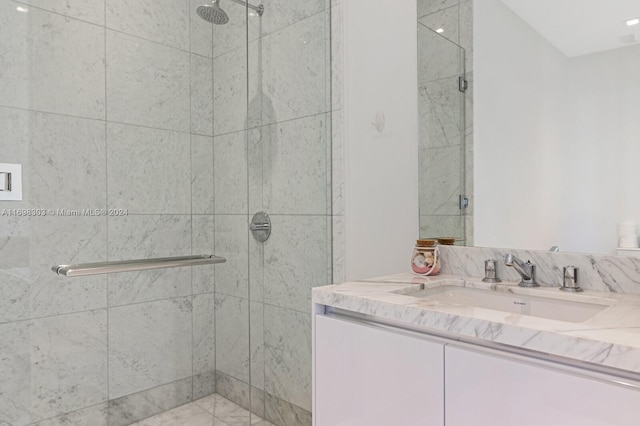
column 365, row 375
column 486, row 389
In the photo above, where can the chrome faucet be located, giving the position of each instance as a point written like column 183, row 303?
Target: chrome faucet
column 526, row 270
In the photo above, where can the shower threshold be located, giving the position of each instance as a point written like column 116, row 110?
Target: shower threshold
column 212, row 410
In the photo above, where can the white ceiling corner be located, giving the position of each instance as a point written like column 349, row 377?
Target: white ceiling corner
column 581, row 27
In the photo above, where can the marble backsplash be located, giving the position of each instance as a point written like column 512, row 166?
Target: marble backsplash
column 606, row 273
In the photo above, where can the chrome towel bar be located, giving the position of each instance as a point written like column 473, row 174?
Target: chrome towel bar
column 84, row 269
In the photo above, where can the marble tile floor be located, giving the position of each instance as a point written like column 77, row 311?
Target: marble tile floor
column 213, row 410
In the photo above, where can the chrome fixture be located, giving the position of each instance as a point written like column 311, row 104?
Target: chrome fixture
column 260, row 226
column 554, row 249
column 84, row 269
column 5, row 181
column 259, row 9
column 526, row 270
column 570, row 279
column 491, row 271
column 214, row 14
column 10, row 182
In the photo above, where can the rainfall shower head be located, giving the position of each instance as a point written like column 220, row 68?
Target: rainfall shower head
column 212, row 13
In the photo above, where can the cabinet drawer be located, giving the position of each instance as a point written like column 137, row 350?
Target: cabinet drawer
column 365, row 375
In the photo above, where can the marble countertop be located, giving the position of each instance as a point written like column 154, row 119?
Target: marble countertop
column 610, row 338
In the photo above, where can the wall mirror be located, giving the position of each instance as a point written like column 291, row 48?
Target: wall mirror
column 555, row 128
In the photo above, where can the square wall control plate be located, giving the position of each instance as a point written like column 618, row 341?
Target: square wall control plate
column 10, row 182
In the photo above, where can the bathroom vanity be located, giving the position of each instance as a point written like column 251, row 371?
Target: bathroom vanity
column 450, row 350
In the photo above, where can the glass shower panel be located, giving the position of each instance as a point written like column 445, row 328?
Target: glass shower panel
column 108, row 107
column 289, row 175
column 441, row 152
column 231, row 212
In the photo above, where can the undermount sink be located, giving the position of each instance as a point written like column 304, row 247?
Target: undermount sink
column 542, row 307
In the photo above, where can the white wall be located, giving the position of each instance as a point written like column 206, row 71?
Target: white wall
column 556, row 139
column 605, row 144
column 518, row 113
column 381, row 171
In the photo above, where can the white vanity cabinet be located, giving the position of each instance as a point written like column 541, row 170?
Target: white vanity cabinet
column 371, row 376
column 490, row 389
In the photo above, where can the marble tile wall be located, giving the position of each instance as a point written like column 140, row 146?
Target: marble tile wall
column 107, row 105
column 616, row 274
column 445, row 118
column 273, row 154
column 337, row 248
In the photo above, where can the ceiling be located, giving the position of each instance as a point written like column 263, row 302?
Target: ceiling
column 580, row 27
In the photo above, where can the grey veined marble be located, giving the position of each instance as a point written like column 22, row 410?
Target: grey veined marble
column 147, row 83
column 232, row 336
column 203, row 242
column 445, row 19
column 201, row 95
column 51, row 63
column 286, row 12
column 204, row 335
column 55, row 139
column 85, row 10
column 202, row 183
column 294, row 71
column 289, row 274
column 66, row 240
column 230, row 173
column 440, row 105
column 155, row 352
column 441, row 180
column 426, row 7
column 432, row 45
column 294, row 166
column 288, row 355
column 609, row 337
column 597, row 272
column 231, row 242
column 162, row 21
column 148, row 170
column 144, row 237
column 52, row 366
column 230, row 92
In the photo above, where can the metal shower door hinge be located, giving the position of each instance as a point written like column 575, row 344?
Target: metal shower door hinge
column 464, row 202
column 463, row 84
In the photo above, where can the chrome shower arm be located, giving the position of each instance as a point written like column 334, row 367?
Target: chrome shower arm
column 259, row 9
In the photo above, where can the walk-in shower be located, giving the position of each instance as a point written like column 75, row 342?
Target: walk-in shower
column 179, row 131
column 214, row 14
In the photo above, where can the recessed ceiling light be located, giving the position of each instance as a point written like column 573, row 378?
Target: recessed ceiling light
column 440, row 30
column 22, row 9
column 632, row 22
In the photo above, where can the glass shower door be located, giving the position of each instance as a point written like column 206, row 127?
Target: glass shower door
column 108, row 108
column 232, row 401
column 442, row 147
column 289, row 178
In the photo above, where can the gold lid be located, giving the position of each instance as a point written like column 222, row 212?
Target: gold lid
column 447, row 241
column 426, row 243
